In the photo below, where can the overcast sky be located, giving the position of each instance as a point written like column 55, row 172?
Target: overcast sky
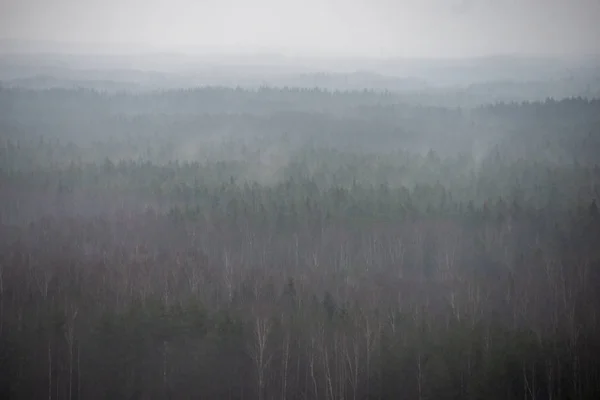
column 411, row 28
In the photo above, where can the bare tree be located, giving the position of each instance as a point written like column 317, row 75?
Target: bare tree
column 70, row 338
column 258, row 351
column 285, row 362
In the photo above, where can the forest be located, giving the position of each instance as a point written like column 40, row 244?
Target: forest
column 287, row 243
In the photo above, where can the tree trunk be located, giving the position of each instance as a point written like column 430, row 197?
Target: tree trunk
column 286, row 356
column 49, row 371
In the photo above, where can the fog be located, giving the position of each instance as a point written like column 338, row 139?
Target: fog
column 275, row 200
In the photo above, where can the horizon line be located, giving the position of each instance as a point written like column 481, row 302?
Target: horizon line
column 18, row 46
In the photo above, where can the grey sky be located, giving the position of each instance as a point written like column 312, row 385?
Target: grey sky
column 335, row 27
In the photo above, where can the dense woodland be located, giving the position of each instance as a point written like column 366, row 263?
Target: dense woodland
column 220, row 243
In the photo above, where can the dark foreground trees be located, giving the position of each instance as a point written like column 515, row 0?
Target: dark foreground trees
column 448, row 305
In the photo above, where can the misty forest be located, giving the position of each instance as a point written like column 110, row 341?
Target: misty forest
column 276, row 241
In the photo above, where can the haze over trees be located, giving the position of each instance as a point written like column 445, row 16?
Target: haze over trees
column 297, row 243
column 380, row 210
